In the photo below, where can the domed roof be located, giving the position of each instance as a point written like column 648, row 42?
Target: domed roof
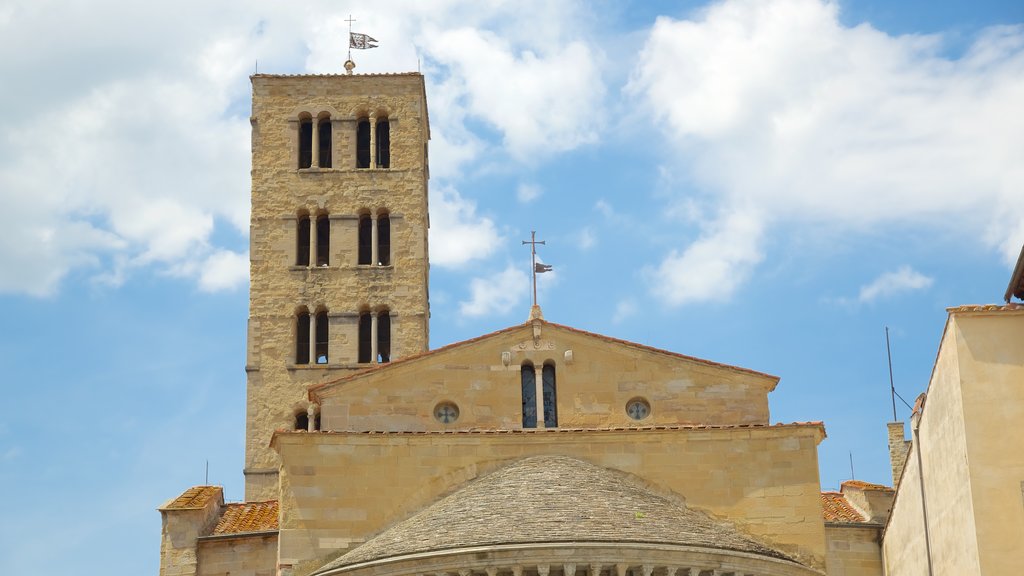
column 552, row 499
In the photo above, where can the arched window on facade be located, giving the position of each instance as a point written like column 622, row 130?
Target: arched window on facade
column 528, row 380
column 323, row 240
column 383, row 239
column 302, row 240
column 324, row 144
column 365, row 338
column 383, row 143
column 305, row 141
column 302, row 337
column 322, row 337
column 363, row 143
column 365, row 240
column 383, row 336
column 301, row 420
column 550, row 397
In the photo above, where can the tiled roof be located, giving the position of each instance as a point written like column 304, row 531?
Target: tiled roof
column 553, row 500
column 194, row 498
column 835, row 508
column 986, row 308
column 247, row 517
column 356, row 74
column 867, row 486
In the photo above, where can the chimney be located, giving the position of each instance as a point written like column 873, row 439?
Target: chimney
column 898, row 447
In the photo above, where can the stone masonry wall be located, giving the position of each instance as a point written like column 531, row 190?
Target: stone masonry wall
column 281, row 191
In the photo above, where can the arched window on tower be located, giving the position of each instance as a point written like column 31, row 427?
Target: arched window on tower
column 365, row 338
column 302, row 240
column 323, row 240
column 322, row 337
column 528, row 379
column 301, row 420
column 383, row 336
column 383, row 239
column 383, row 143
column 305, row 141
column 550, row 399
column 363, row 143
column 365, row 240
column 302, row 337
column 324, row 136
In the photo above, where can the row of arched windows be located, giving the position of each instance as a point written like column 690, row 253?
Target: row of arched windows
column 313, row 239
column 528, row 379
column 373, row 142
column 312, row 337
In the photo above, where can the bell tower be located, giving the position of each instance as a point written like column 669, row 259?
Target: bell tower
column 338, row 243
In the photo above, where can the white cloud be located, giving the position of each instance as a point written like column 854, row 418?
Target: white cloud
column 457, row 234
column 906, row 279
column 777, row 106
column 624, row 310
column 497, row 294
column 586, row 239
column 224, row 270
column 527, row 193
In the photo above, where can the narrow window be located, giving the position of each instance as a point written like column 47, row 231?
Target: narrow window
column 324, row 131
column 383, row 144
column 365, row 338
column 365, row 240
column 383, row 337
column 363, row 144
column 323, row 240
column 305, row 143
column 301, row 420
column 383, row 240
column 302, row 338
column 322, row 336
column 529, row 382
column 302, row 242
column 550, row 401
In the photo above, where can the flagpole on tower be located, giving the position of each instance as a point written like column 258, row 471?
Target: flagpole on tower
column 359, row 42
column 535, row 267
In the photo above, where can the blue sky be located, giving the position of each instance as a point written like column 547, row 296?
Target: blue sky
column 767, row 184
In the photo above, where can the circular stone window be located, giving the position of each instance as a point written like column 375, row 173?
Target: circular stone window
column 446, row 412
column 638, row 409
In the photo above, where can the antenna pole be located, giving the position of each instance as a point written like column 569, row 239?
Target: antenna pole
column 207, row 482
column 892, row 386
column 852, row 475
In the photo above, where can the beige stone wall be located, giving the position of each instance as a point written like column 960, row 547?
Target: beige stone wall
column 898, row 446
column 281, row 191
column 990, row 349
column 592, row 389
column 947, row 481
column 853, row 550
column 338, row 489
column 179, row 532
column 240, row 556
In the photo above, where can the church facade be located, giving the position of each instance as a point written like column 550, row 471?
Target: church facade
column 536, row 450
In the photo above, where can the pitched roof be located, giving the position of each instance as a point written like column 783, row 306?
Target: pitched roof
column 866, row 486
column 835, row 508
column 241, row 517
column 552, row 499
column 194, row 498
column 1016, row 286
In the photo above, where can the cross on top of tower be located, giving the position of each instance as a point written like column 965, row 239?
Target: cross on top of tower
column 537, row 268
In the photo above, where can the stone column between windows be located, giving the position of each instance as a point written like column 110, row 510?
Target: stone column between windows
column 373, row 336
column 372, row 119
column 538, row 381
column 312, row 338
column 373, row 244
column 311, row 418
column 315, row 144
column 312, row 241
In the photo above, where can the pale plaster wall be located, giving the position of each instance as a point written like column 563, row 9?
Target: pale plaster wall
column 949, row 501
column 990, row 349
column 276, row 386
column 592, row 389
column 853, row 550
column 338, row 489
column 242, row 556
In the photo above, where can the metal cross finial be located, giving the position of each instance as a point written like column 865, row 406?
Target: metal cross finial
column 536, row 267
column 350, row 20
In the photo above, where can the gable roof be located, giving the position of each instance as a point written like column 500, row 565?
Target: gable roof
column 836, row 509
column 315, row 389
column 552, row 499
column 195, row 498
column 242, row 517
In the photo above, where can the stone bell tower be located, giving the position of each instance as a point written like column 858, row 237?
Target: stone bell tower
column 338, row 243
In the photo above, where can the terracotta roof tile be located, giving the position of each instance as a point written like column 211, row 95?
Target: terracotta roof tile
column 194, row 498
column 867, row 486
column 1012, row 306
column 247, row 517
column 835, row 508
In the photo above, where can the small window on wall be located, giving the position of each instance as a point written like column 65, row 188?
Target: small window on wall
column 365, row 338
column 301, row 420
column 363, row 143
column 550, row 399
column 383, row 240
column 302, row 241
column 324, row 132
column 365, row 240
column 528, row 380
column 383, row 337
column 302, row 337
column 322, row 337
column 383, row 143
column 305, row 142
column 323, row 240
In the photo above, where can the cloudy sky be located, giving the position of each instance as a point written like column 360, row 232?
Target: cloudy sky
column 762, row 183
